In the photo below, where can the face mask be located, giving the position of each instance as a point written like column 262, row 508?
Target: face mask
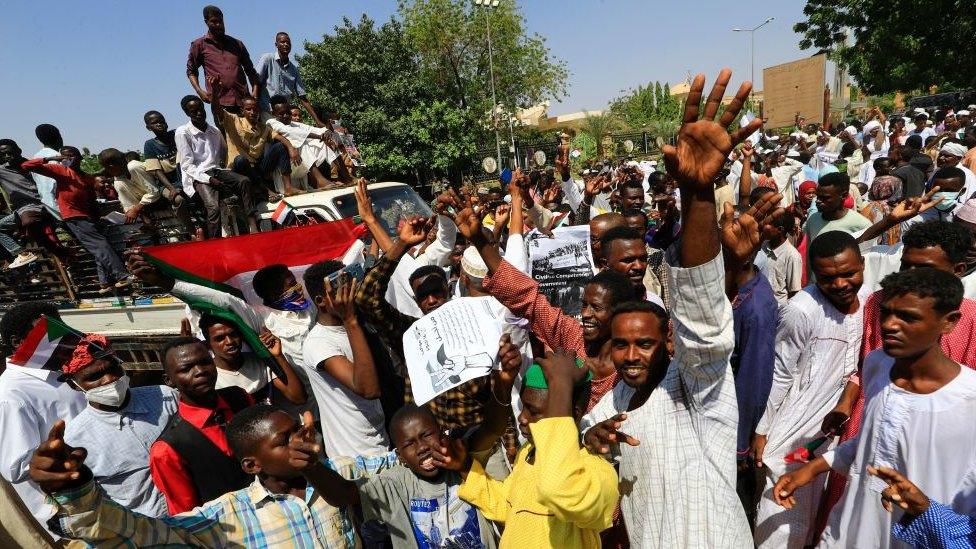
column 293, row 300
column 948, row 200
column 111, row 394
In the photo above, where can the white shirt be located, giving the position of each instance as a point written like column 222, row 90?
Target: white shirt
column 47, row 185
column 351, row 425
column 783, row 176
column 783, row 267
column 931, row 439
column 198, row 151
column 680, row 481
column 817, row 350
column 881, row 261
column 252, row 376
column 31, row 400
column 137, row 189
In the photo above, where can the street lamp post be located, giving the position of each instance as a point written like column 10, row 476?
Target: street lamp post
column 752, row 48
column 489, row 4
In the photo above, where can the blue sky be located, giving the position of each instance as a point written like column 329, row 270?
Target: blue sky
column 93, row 68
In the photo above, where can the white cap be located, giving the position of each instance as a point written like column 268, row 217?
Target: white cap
column 963, row 112
column 972, row 107
column 967, row 212
column 920, row 110
column 472, row 264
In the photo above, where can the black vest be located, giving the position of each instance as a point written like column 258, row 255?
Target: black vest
column 213, row 472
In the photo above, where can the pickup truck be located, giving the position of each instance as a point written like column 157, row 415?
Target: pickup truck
column 392, row 201
column 140, row 323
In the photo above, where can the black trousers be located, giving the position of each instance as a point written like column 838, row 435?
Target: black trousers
column 91, row 236
column 228, row 183
column 274, row 157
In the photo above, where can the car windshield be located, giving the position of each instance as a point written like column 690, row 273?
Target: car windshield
column 391, row 204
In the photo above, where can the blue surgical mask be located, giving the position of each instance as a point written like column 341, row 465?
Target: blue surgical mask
column 948, row 200
column 292, row 300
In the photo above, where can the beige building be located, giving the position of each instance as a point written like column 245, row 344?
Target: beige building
column 538, row 117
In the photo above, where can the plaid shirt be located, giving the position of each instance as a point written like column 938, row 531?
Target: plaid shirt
column 250, row 517
column 462, row 407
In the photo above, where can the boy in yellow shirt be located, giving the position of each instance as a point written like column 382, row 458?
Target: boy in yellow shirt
column 558, row 495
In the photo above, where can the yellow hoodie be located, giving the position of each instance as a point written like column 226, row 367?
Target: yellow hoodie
column 564, row 499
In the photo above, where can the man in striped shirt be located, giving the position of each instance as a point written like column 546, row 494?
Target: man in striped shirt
column 678, row 483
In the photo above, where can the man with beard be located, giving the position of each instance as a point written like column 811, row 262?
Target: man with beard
column 817, row 344
column 680, row 478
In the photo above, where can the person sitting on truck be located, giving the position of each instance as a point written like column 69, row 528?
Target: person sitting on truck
column 28, row 214
column 118, row 425
column 191, row 461
column 200, row 148
column 137, row 193
column 246, row 370
column 315, row 147
column 76, row 201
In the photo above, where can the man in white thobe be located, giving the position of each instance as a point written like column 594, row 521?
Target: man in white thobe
column 817, row 347
column 917, row 417
column 309, row 141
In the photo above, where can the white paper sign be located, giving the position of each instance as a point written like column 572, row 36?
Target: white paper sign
column 744, row 121
column 562, row 265
column 573, row 191
column 456, row 343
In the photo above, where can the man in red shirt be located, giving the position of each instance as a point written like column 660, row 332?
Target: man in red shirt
column 225, row 58
column 191, row 461
column 75, row 194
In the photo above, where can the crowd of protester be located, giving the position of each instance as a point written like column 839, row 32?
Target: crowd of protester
column 774, row 350
column 254, row 149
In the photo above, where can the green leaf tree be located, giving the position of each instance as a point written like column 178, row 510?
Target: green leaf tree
column 598, row 127
column 450, row 38
column 895, row 45
column 650, row 106
column 405, row 127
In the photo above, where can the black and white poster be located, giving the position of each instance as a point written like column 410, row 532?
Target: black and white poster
column 454, row 344
column 562, row 265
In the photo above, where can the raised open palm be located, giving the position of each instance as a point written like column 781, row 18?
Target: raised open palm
column 741, row 236
column 704, row 144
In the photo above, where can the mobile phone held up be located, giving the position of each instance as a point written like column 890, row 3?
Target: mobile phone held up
column 342, row 277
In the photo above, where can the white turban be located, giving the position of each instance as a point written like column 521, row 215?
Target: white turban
column 870, row 126
column 851, row 131
column 954, row 149
column 963, row 112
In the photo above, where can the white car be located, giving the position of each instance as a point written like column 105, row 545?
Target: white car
column 392, row 201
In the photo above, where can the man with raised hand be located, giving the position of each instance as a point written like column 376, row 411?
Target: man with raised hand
column 678, row 482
